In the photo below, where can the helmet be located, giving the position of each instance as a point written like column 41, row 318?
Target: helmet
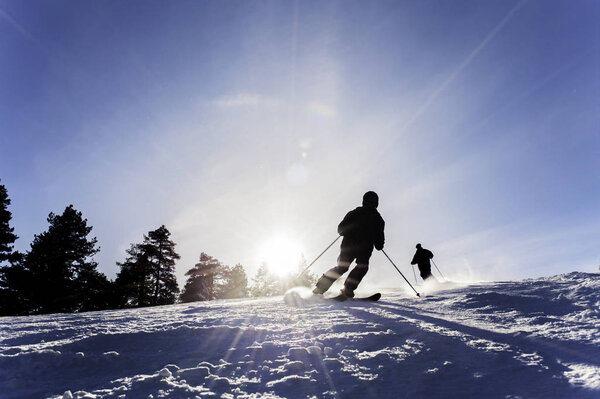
column 370, row 199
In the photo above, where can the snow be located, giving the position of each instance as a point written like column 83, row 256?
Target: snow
column 537, row 338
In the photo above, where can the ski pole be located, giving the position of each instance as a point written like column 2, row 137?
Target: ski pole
column 438, row 270
column 414, row 274
column 386, row 255
column 317, row 258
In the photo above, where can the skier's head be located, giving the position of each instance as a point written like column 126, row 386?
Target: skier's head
column 370, row 199
column 419, row 246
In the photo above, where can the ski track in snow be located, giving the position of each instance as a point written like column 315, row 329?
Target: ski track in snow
column 535, row 338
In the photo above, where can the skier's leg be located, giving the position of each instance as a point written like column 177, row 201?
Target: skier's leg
column 423, row 272
column 356, row 275
column 333, row 274
column 426, row 273
column 429, row 275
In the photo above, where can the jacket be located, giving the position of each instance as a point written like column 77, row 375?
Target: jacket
column 422, row 257
column 362, row 229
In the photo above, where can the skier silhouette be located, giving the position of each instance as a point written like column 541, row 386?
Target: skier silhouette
column 362, row 229
column 421, row 258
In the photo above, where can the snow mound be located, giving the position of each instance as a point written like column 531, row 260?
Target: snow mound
column 537, row 338
column 300, row 296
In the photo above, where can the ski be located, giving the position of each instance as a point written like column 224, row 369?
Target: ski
column 342, row 297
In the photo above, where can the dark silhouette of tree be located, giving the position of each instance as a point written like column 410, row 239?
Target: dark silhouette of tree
column 147, row 275
column 210, row 279
column 13, row 290
column 7, row 235
column 57, row 273
column 201, row 278
column 10, row 270
column 133, row 280
column 162, row 257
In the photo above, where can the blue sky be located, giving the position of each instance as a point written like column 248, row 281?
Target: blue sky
column 478, row 123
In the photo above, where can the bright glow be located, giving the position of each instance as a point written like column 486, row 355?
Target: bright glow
column 281, row 254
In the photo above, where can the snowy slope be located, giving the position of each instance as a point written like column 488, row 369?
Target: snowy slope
column 531, row 339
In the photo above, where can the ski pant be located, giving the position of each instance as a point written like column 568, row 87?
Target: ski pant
column 425, row 271
column 353, row 279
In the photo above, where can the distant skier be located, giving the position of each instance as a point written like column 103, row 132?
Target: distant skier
column 422, row 258
column 362, row 229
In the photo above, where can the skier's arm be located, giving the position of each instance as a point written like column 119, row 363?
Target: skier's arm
column 414, row 260
column 380, row 237
column 345, row 225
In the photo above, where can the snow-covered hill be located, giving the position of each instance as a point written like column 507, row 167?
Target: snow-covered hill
column 519, row 339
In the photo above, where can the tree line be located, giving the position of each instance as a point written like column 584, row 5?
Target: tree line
column 58, row 272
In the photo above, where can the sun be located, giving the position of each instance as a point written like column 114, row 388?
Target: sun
column 281, row 254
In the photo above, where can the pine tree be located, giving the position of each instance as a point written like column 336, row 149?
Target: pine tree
column 221, row 281
column 133, row 281
column 238, row 286
column 231, row 282
column 7, row 235
column 307, row 279
column 60, row 275
column 10, row 270
column 147, row 276
column 265, row 283
column 200, row 283
column 14, row 282
column 163, row 256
